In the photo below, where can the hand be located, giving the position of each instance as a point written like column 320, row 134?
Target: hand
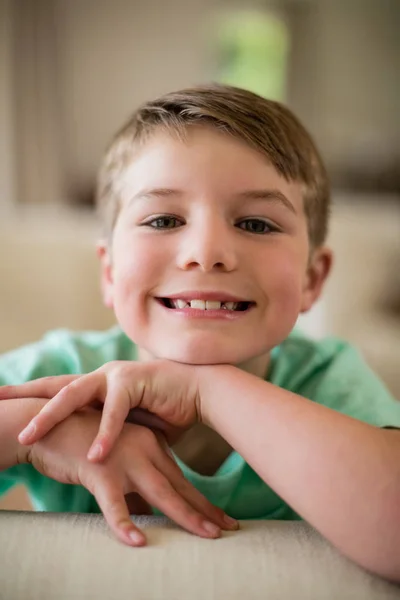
column 139, row 463
column 166, row 389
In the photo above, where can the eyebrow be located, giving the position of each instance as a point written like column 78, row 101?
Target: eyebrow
column 156, row 193
column 273, row 196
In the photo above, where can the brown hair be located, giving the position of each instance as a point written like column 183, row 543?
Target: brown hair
column 268, row 126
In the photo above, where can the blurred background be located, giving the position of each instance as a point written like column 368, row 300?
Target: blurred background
column 71, row 72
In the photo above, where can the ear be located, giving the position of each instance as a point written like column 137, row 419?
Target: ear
column 318, row 270
column 106, row 274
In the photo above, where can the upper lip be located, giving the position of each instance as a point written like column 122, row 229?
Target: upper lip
column 205, row 295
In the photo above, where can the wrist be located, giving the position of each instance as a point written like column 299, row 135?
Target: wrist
column 30, row 407
column 15, row 415
column 213, row 380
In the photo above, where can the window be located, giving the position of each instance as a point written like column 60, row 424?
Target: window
column 252, row 52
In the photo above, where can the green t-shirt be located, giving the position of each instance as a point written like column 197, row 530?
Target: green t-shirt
column 329, row 372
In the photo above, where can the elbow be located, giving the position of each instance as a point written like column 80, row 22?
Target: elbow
column 388, row 569
column 380, row 555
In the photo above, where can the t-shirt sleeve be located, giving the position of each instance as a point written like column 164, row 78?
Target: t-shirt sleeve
column 333, row 373
column 25, row 364
column 60, row 352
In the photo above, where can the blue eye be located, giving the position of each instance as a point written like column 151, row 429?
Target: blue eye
column 257, row 226
column 164, row 222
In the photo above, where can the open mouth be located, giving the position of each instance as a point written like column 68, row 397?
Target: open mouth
column 181, row 304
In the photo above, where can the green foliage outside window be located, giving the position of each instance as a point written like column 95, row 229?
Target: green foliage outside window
column 253, row 49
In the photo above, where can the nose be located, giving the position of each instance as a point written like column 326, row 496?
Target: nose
column 208, row 246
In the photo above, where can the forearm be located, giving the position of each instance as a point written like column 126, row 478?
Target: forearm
column 14, row 416
column 339, row 474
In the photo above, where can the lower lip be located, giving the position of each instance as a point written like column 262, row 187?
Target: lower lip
column 195, row 313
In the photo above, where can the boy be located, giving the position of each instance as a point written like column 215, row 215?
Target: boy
column 215, row 204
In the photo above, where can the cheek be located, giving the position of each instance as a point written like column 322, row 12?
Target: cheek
column 138, row 267
column 285, row 280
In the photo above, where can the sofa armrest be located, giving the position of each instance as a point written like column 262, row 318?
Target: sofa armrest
column 68, row 556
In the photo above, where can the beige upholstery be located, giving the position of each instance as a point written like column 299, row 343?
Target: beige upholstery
column 44, row 556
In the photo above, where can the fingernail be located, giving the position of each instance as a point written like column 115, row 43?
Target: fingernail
column 137, row 538
column 28, row 432
column 231, row 523
column 95, row 452
column 211, row 528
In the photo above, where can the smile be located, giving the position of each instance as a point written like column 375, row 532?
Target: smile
column 205, row 305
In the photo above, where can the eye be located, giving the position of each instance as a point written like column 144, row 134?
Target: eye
column 164, row 222
column 258, row 226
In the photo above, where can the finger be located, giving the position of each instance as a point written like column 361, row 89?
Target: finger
column 46, row 387
column 117, row 405
column 159, row 492
column 113, row 506
column 139, row 416
column 184, row 488
column 74, row 396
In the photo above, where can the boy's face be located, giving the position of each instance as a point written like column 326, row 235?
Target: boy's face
column 209, row 219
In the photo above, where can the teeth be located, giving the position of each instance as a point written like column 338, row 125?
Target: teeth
column 230, row 305
column 213, row 305
column 204, row 304
column 180, row 303
column 199, row 304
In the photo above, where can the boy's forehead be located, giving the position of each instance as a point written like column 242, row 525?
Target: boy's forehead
column 195, row 145
column 204, row 159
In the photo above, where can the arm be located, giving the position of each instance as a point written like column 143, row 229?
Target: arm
column 15, row 414
column 341, row 475
column 139, row 463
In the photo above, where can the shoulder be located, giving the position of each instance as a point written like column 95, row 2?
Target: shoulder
column 63, row 352
column 299, row 357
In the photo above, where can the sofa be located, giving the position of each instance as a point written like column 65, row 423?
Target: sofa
column 45, row 556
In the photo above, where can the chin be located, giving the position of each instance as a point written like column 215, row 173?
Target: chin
column 196, row 353
column 198, row 358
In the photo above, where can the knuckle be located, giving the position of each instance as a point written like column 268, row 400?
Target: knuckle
column 113, row 409
column 65, row 392
column 157, row 488
column 126, row 366
column 183, row 487
column 114, row 508
column 117, row 512
column 114, row 365
column 163, row 492
column 88, row 480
